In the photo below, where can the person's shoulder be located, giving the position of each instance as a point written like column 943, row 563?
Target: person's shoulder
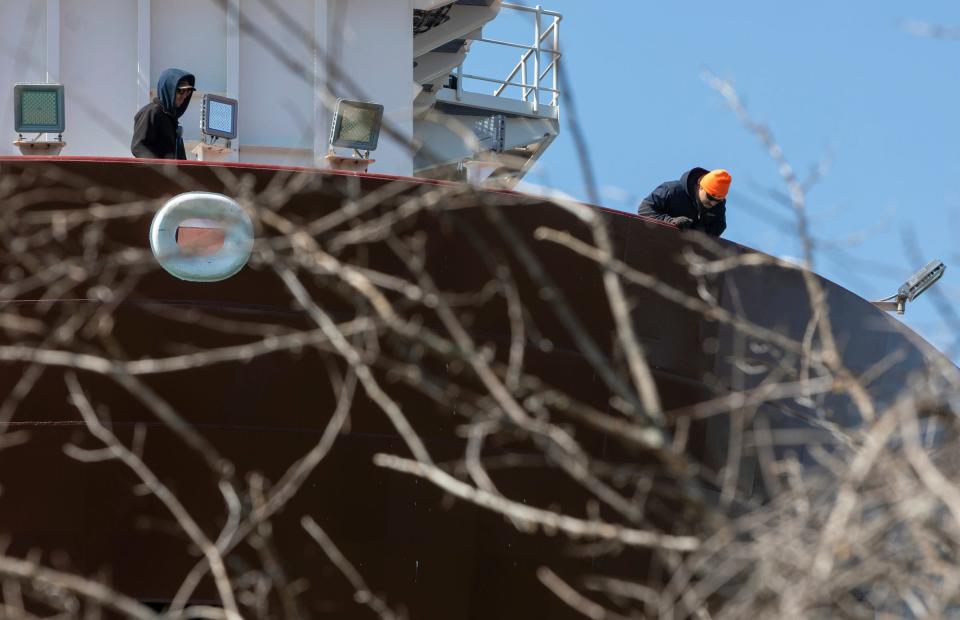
column 669, row 186
column 151, row 108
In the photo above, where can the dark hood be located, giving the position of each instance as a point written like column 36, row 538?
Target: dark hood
column 690, row 179
column 167, row 90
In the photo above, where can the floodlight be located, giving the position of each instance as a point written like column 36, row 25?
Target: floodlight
column 38, row 108
column 922, row 280
column 219, row 117
column 914, row 287
column 356, row 125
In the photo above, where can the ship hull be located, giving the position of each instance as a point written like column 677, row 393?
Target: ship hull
column 262, row 411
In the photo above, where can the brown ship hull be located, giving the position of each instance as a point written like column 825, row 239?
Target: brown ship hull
column 84, row 282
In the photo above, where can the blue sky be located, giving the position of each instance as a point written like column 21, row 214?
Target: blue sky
column 842, row 82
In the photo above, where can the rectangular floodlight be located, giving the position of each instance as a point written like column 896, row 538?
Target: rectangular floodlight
column 219, row 117
column 356, row 125
column 38, row 108
column 922, row 280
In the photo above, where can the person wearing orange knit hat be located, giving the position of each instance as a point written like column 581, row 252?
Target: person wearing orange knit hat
column 698, row 201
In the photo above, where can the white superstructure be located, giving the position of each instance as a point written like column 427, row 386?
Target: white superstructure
column 286, row 61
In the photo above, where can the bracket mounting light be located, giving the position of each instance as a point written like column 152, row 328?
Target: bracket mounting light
column 913, row 288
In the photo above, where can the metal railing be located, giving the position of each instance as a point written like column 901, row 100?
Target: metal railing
column 530, row 90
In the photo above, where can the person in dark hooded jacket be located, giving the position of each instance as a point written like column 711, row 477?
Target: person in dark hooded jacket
column 697, row 201
column 156, row 129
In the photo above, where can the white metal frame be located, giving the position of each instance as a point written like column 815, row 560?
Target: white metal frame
column 530, row 91
column 143, row 53
column 52, row 42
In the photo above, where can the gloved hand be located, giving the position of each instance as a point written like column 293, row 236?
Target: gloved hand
column 681, row 222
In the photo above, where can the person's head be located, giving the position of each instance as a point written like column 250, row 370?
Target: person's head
column 713, row 188
column 174, row 89
column 184, row 90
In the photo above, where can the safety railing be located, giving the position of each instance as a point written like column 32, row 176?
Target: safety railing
column 535, row 79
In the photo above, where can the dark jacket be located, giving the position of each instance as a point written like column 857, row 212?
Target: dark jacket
column 156, row 130
column 679, row 199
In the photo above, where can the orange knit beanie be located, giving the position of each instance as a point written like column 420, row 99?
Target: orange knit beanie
column 716, row 183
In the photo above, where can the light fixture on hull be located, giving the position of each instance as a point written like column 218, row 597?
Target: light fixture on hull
column 913, row 288
column 39, row 109
column 218, row 121
column 355, row 125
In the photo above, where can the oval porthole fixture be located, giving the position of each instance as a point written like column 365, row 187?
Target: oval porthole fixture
column 201, row 237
